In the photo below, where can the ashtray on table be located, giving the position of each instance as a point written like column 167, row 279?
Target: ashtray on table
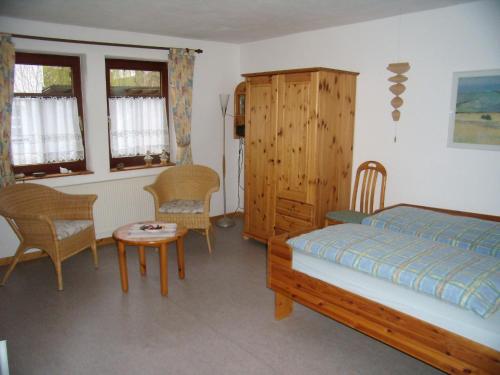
column 156, row 228
column 152, row 228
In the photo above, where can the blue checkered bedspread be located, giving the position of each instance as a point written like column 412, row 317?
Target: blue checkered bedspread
column 464, row 278
column 467, row 233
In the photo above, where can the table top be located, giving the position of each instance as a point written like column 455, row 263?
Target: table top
column 122, row 234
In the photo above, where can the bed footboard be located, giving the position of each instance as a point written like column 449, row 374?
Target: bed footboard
column 438, row 347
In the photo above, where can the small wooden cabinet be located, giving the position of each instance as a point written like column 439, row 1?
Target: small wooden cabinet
column 239, row 110
column 298, row 156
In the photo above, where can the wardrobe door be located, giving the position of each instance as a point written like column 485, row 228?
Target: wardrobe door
column 260, row 148
column 297, row 97
column 336, row 107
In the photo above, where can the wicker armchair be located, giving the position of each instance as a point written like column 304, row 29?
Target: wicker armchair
column 43, row 218
column 182, row 195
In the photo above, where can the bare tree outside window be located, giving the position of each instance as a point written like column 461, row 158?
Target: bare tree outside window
column 43, row 79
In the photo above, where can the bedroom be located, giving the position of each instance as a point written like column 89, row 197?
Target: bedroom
column 422, row 169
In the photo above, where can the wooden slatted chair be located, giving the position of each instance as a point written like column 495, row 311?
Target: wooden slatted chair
column 369, row 172
column 182, row 195
column 43, row 218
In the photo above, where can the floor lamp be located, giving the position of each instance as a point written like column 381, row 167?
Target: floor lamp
column 224, row 222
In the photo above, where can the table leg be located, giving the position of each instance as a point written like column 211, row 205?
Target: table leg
column 142, row 260
column 122, row 260
column 164, row 269
column 180, row 257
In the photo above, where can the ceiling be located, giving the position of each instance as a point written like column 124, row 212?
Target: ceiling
column 234, row 21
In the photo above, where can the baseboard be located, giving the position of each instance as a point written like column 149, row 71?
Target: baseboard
column 231, row 214
column 105, row 241
column 41, row 254
column 24, row 258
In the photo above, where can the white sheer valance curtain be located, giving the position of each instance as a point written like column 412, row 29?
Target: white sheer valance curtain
column 45, row 130
column 138, row 125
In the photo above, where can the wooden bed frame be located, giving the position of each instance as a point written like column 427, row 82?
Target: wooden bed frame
column 438, row 347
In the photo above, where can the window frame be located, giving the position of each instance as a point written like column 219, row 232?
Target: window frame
column 73, row 62
column 126, row 64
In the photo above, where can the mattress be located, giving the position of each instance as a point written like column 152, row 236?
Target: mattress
column 464, row 278
column 468, row 233
column 429, row 309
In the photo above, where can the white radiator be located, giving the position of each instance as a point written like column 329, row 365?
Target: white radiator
column 119, row 202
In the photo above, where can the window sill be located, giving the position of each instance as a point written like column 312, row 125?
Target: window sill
column 53, row 175
column 101, row 174
column 136, row 167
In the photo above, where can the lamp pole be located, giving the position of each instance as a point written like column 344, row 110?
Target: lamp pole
column 225, row 221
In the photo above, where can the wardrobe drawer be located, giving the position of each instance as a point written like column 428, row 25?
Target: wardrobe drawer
column 296, row 209
column 290, row 224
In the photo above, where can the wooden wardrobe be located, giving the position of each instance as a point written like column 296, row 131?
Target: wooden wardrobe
column 298, row 148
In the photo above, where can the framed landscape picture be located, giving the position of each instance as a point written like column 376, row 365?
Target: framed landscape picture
column 475, row 110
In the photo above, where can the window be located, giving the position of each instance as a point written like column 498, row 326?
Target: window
column 137, row 109
column 47, row 126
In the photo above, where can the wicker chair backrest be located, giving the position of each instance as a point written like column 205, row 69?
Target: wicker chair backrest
column 187, row 182
column 29, row 198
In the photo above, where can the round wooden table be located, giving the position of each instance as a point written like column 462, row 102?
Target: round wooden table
column 122, row 237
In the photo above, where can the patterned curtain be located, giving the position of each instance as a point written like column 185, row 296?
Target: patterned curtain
column 180, row 75
column 7, row 61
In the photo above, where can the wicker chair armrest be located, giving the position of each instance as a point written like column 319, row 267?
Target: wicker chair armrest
column 152, row 189
column 32, row 225
column 75, row 206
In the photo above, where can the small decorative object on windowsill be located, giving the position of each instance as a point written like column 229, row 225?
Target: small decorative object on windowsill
column 64, row 170
column 120, row 166
column 164, row 157
column 148, row 159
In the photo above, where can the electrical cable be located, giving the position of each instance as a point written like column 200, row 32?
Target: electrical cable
column 241, row 158
column 241, row 154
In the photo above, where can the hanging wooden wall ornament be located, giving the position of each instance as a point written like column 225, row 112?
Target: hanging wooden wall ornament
column 398, row 87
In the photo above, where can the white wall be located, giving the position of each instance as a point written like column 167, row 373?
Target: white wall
column 421, row 169
column 216, row 71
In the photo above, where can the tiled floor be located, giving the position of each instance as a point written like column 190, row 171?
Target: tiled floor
column 219, row 320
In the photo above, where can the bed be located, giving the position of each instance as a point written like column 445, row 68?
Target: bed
column 448, row 337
